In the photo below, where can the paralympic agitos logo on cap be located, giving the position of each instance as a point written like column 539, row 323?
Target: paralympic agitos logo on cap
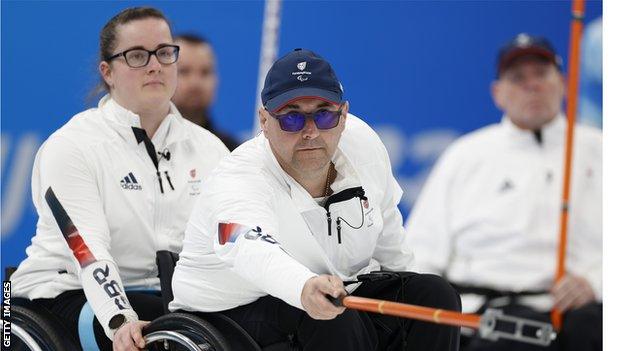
column 302, row 75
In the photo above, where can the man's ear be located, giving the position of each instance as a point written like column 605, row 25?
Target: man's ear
column 105, row 72
column 262, row 118
column 495, row 91
column 564, row 84
column 345, row 113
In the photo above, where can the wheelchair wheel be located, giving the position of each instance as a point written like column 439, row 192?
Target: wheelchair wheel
column 173, row 331
column 35, row 331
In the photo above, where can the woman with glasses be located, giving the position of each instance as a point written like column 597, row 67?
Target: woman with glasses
column 112, row 187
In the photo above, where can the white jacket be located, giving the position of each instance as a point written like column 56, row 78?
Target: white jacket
column 489, row 212
column 256, row 231
column 107, row 184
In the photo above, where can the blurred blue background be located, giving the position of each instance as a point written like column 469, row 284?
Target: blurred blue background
column 418, row 71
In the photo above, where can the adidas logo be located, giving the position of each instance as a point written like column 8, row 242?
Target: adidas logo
column 129, row 182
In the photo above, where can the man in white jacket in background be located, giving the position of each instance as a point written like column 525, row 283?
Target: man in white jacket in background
column 307, row 204
column 488, row 216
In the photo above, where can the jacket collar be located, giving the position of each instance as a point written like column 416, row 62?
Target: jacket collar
column 171, row 129
column 552, row 133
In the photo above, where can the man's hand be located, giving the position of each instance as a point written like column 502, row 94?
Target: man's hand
column 571, row 292
column 129, row 337
column 313, row 296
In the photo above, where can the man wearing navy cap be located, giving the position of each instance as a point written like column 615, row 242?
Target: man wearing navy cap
column 296, row 214
column 488, row 216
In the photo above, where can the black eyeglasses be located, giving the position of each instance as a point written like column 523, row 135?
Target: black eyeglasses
column 294, row 121
column 137, row 58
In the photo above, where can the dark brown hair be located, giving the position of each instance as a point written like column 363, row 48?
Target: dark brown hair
column 108, row 36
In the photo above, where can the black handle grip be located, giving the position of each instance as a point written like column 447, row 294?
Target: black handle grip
column 336, row 301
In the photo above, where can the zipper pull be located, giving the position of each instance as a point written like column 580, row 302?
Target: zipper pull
column 162, row 191
column 328, row 223
column 338, row 228
column 169, row 180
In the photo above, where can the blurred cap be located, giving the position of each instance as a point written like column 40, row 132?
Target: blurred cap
column 523, row 45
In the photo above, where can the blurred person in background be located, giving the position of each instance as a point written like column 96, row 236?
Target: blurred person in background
column 590, row 87
column 113, row 186
column 488, row 216
column 197, row 84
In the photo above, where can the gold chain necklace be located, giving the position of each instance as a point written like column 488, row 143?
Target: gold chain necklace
column 330, row 175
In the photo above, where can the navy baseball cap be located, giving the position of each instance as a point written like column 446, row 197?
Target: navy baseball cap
column 300, row 74
column 522, row 45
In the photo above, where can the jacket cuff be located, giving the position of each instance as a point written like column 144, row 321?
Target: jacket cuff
column 292, row 295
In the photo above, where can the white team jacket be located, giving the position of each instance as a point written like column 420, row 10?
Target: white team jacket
column 255, row 231
column 107, row 184
column 489, row 212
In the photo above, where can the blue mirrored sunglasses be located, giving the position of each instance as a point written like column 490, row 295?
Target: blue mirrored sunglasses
column 294, row 121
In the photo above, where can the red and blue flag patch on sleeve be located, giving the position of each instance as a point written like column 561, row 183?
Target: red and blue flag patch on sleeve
column 228, row 232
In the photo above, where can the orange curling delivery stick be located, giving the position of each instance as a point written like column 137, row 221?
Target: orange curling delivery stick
column 524, row 330
column 576, row 29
